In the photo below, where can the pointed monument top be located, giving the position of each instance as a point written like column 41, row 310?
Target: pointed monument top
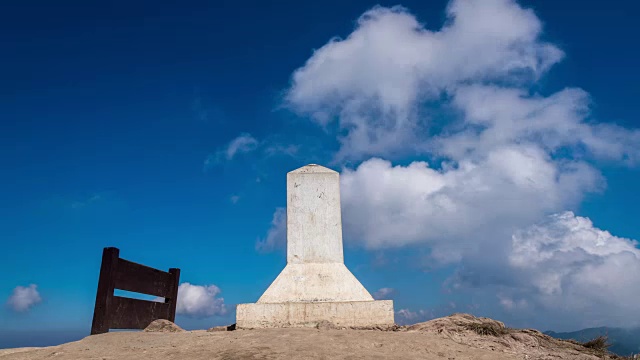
column 312, row 169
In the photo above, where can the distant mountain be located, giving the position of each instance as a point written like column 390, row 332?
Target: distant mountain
column 624, row 341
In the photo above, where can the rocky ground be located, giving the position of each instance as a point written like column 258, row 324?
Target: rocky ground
column 459, row 336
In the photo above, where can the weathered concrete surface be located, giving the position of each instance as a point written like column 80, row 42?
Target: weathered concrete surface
column 315, row 268
column 309, row 314
column 315, row 285
column 315, row 282
column 314, row 223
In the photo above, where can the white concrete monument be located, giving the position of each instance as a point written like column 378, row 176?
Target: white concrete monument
column 315, row 285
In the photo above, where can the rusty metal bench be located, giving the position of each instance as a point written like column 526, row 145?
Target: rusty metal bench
column 116, row 312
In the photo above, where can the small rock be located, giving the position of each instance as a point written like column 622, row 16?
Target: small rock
column 162, row 325
column 222, row 328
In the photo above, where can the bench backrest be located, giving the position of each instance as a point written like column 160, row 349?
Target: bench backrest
column 117, row 312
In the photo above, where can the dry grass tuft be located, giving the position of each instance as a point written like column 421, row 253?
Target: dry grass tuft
column 487, row 329
column 600, row 344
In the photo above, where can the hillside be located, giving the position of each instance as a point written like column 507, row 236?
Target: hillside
column 459, row 336
column 623, row 341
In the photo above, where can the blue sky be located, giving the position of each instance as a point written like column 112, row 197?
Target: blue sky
column 167, row 130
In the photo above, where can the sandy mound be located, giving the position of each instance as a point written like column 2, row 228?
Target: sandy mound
column 459, row 336
column 162, row 325
column 485, row 333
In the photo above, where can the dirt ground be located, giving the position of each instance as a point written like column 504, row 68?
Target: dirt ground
column 445, row 338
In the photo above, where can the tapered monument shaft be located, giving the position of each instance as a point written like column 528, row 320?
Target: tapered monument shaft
column 314, row 225
column 315, row 285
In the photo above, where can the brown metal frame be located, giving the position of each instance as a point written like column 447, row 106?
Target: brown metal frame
column 116, row 312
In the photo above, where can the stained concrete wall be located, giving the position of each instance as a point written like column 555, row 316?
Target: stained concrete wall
column 315, row 268
column 314, row 223
column 306, row 314
column 315, row 282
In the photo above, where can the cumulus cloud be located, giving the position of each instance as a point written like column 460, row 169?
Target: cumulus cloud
column 383, row 293
column 498, row 156
column 374, row 81
column 448, row 208
column 570, row 265
column 24, row 298
column 479, row 216
column 494, row 116
column 199, row 301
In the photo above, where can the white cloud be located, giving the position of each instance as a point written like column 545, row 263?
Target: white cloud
column 383, row 293
column 234, row 199
column 574, row 267
column 501, row 156
column 277, row 235
column 246, row 143
column 199, row 301
column 242, row 144
column 496, row 116
column 406, row 316
column 24, row 298
column 391, row 206
column 375, row 80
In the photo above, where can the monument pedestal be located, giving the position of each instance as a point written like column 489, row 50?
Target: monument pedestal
column 315, row 285
column 309, row 314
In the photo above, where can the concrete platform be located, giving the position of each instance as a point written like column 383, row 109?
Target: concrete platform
column 309, row 314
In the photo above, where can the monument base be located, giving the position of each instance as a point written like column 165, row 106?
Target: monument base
column 309, row 314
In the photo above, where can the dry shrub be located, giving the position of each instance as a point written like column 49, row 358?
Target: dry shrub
column 487, row 329
column 601, row 343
